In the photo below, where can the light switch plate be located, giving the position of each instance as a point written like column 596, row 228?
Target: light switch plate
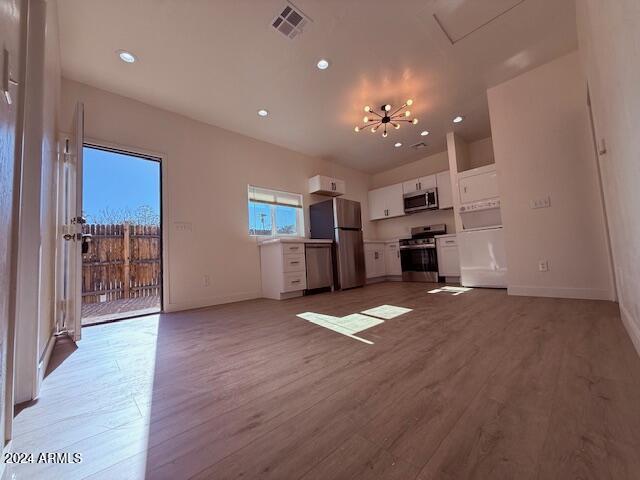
column 183, row 226
column 543, row 266
column 543, row 202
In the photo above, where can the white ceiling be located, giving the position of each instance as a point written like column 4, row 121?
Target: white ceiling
column 220, row 61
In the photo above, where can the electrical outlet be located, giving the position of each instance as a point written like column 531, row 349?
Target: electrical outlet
column 543, row 266
column 206, row 280
column 544, row 202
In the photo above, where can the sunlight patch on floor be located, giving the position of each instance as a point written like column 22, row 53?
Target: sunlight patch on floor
column 387, row 311
column 354, row 323
column 452, row 290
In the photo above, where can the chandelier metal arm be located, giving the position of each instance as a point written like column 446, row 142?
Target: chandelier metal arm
column 402, row 107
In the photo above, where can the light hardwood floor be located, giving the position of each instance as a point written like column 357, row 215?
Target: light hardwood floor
column 479, row 385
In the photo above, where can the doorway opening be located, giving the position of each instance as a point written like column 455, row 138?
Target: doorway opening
column 122, row 259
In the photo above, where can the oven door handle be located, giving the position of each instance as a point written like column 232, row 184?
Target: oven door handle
column 416, row 247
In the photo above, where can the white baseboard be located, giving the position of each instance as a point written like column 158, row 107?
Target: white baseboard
column 560, row 292
column 633, row 328
column 44, row 362
column 209, row 302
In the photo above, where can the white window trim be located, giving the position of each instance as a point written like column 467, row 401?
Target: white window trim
column 300, row 233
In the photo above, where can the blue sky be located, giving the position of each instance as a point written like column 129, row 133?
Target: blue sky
column 119, row 182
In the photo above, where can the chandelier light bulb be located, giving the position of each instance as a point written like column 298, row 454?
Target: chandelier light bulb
column 384, row 134
column 407, row 113
column 373, row 129
column 409, row 102
column 387, row 108
column 397, row 126
column 365, row 119
column 367, row 108
column 357, row 129
column 415, row 121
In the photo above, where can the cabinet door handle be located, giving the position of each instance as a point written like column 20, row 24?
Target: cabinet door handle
column 295, row 281
column 294, row 263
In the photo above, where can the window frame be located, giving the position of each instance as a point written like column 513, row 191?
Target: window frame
column 299, row 233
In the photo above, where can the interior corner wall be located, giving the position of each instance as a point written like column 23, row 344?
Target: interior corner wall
column 206, row 171
column 609, row 41
column 543, row 147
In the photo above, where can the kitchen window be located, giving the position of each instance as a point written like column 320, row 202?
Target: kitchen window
column 274, row 213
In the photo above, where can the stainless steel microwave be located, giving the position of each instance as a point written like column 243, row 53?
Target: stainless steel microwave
column 420, row 200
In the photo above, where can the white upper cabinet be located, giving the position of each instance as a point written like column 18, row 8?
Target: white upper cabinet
column 478, row 184
column 386, row 202
column 330, row 186
column 445, row 195
column 418, row 184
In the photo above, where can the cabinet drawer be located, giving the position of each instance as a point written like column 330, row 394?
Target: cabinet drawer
column 448, row 241
column 292, row 248
column 293, row 262
column 294, row 281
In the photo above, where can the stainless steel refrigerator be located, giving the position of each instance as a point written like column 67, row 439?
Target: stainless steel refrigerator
column 340, row 220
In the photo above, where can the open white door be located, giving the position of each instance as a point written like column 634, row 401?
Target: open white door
column 71, row 221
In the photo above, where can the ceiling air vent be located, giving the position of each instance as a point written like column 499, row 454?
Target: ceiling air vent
column 290, row 21
column 419, row 145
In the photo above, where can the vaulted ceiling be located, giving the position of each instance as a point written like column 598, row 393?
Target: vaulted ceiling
column 221, row 61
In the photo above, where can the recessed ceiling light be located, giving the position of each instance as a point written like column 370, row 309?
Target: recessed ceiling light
column 424, row 133
column 323, row 64
column 263, row 113
column 458, row 119
column 126, row 57
column 398, row 144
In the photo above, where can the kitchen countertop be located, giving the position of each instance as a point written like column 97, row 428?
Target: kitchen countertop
column 271, row 241
column 381, row 241
column 446, row 235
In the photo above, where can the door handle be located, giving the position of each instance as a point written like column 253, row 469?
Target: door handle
column 419, row 185
column 86, row 239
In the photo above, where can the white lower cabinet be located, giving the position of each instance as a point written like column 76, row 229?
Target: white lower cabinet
column 374, row 259
column 448, row 256
column 283, row 269
column 392, row 259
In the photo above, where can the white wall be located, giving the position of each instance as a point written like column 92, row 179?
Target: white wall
column 206, row 170
column 480, row 153
column 542, row 141
column 610, row 49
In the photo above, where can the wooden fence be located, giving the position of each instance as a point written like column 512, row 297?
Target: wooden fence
column 123, row 261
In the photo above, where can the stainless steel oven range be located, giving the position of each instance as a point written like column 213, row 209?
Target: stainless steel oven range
column 418, row 254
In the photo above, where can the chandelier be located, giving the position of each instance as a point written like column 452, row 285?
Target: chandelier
column 386, row 119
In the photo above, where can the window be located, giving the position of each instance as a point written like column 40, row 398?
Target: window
column 274, row 213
